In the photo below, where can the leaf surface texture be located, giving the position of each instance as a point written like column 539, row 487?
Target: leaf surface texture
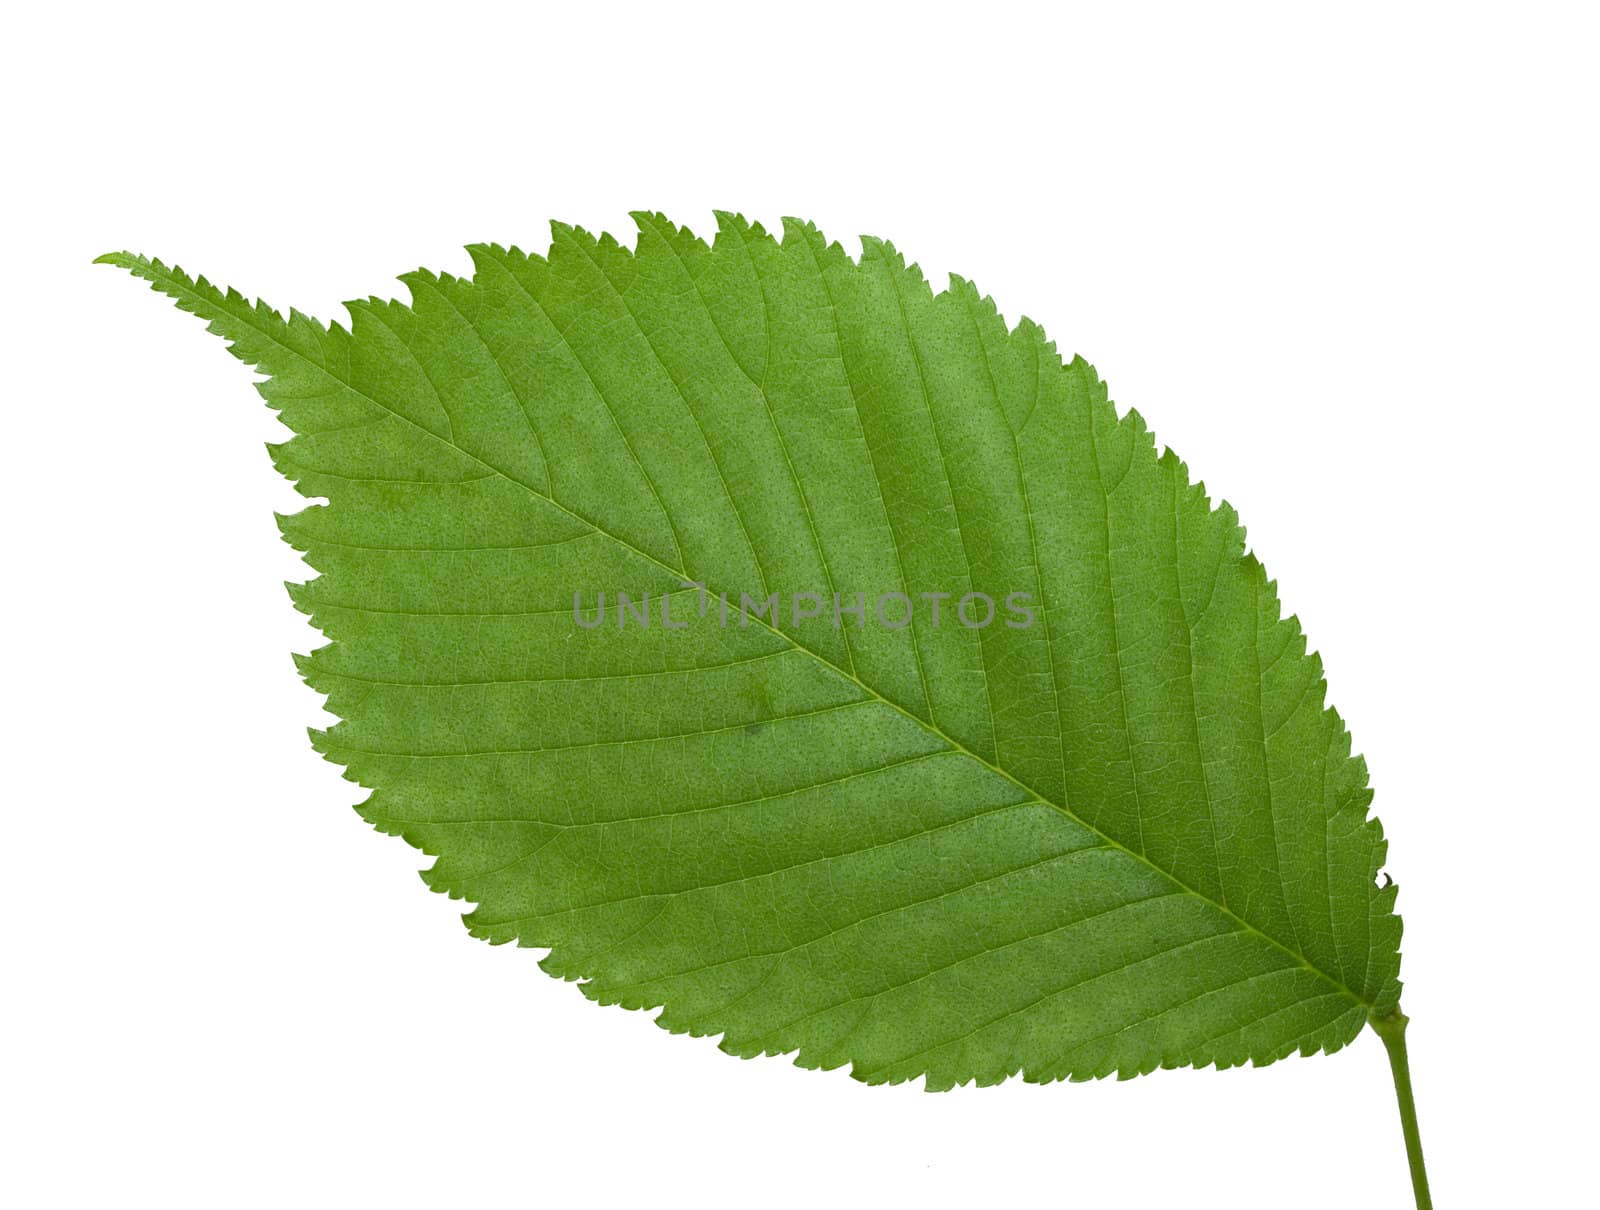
column 1127, row 835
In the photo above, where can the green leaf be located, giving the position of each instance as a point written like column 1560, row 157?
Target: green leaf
column 1120, row 833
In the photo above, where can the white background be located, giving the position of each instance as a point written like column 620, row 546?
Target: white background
column 1345, row 264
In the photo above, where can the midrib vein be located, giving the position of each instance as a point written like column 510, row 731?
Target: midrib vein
column 175, row 285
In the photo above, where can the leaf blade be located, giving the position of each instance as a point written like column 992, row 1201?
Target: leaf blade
column 986, row 820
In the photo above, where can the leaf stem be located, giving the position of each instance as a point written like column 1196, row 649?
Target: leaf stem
column 1392, row 1029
